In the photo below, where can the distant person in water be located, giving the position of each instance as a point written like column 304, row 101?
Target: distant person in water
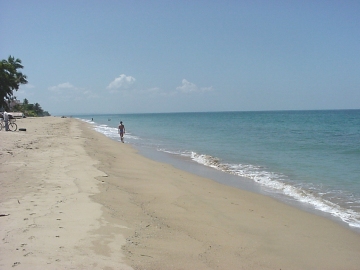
column 121, row 131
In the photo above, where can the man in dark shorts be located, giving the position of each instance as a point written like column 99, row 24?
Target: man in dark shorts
column 121, row 131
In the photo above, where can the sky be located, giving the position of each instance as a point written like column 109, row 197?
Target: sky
column 96, row 56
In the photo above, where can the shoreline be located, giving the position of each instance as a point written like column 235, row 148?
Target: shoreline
column 323, row 195
column 236, row 181
column 222, row 224
column 144, row 214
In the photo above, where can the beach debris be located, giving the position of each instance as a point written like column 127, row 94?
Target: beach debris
column 4, row 215
column 146, row 255
column 15, row 264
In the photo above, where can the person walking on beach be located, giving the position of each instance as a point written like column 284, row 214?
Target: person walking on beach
column 121, row 131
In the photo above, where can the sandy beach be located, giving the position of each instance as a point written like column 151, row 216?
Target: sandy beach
column 72, row 198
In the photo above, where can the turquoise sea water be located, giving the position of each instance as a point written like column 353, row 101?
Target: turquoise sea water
column 312, row 157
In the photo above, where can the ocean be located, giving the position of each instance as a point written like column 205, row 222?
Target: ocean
column 307, row 158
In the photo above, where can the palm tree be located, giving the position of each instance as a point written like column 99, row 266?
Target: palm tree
column 10, row 79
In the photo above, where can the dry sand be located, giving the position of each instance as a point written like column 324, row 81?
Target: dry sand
column 71, row 198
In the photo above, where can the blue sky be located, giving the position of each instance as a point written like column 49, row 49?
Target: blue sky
column 184, row 56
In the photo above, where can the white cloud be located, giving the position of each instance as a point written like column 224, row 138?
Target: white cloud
column 189, row 87
column 121, row 82
column 62, row 86
column 69, row 91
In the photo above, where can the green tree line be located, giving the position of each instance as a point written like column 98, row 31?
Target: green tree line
column 10, row 80
column 30, row 109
